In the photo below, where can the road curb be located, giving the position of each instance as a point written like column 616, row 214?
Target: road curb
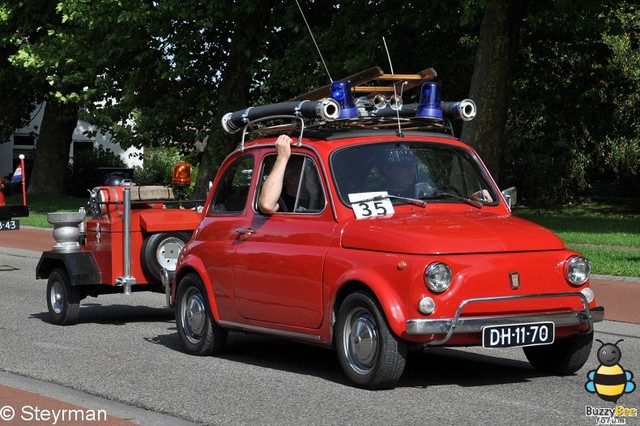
column 634, row 280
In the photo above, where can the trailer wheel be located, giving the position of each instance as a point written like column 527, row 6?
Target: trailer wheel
column 198, row 331
column 63, row 299
column 161, row 250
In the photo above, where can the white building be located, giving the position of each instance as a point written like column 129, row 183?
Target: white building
column 24, row 141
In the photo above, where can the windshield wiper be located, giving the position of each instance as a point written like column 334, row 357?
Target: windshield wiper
column 415, row 201
column 469, row 201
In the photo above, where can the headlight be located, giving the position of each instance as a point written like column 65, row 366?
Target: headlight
column 437, row 277
column 577, row 270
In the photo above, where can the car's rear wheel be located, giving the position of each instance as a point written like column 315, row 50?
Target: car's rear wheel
column 63, row 299
column 562, row 357
column 369, row 353
column 199, row 333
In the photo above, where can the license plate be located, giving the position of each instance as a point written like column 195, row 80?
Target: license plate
column 9, row 225
column 529, row 334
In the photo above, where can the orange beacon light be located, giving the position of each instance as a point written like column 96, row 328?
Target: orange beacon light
column 181, row 177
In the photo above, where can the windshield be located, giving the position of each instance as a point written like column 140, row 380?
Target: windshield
column 423, row 170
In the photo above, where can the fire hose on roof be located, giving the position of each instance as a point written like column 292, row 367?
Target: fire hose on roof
column 326, row 109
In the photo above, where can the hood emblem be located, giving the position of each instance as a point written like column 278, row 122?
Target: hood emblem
column 514, row 279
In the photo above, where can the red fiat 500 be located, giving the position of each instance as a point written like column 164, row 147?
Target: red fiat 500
column 388, row 240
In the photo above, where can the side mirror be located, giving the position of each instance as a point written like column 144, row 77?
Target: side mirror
column 511, row 195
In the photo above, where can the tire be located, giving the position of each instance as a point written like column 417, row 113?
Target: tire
column 562, row 357
column 161, row 250
column 63, row 299
column 370, row 355
column 199, row 333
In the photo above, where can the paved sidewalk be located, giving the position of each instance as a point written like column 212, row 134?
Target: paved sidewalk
column 25, row 401
column 28, row 238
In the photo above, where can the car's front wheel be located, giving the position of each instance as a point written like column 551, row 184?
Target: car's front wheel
column 199, row 333
column 369, row 353
column 562, row 357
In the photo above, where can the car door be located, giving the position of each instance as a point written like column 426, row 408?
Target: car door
column 217, row 237
column 280, row 257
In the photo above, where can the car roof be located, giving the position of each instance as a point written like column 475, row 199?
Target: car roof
column 331, row 134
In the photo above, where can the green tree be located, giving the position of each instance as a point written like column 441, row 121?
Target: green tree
column 25, row 79
column 616, row 157
column 491, row 77
column 560, row 112
column 237, row 77
column 163, row 73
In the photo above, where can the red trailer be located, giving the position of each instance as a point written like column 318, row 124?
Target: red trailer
column 132, row 234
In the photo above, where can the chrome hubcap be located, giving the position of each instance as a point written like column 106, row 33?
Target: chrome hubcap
column 194, row 316
column 57, row 297
column 361, row 341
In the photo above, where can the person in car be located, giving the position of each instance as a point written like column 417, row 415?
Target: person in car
column 398, row 166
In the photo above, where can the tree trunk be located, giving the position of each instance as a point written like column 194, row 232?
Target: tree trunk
column 490, row 82
column 52, row 148
column 233, row 92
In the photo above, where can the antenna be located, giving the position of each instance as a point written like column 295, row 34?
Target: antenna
column 394, row 86
column 314, row 41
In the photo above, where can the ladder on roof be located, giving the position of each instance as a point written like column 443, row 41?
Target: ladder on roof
column 360, row 83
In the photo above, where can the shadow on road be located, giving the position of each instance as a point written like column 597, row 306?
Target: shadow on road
column 430, row 367
column 95, row 313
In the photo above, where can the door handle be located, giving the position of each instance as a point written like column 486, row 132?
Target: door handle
column 245, row 231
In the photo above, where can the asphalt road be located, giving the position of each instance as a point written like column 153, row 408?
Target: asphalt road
column 125, row 350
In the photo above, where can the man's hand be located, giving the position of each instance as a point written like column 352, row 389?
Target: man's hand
column 283, row 147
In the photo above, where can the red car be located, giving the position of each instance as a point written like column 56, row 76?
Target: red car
column 373, row 264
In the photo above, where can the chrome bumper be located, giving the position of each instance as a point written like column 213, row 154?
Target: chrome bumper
column 458, row 325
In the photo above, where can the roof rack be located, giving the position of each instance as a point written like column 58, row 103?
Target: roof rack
column 369, row 99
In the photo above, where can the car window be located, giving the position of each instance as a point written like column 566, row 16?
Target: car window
column 411, row 169
column 233, row 188
column 302, row 191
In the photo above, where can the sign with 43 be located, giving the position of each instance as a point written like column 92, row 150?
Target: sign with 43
column 371, row 204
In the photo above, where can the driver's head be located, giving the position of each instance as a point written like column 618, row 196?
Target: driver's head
column 398, row 166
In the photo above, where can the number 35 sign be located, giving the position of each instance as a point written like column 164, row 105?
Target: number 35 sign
column 371, row 204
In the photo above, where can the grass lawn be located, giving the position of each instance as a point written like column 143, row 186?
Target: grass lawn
column 40, row 205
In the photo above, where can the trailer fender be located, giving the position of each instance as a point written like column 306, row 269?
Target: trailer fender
column 80, row 266
column 169, row 220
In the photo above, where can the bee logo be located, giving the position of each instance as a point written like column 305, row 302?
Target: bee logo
column 610, row 380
